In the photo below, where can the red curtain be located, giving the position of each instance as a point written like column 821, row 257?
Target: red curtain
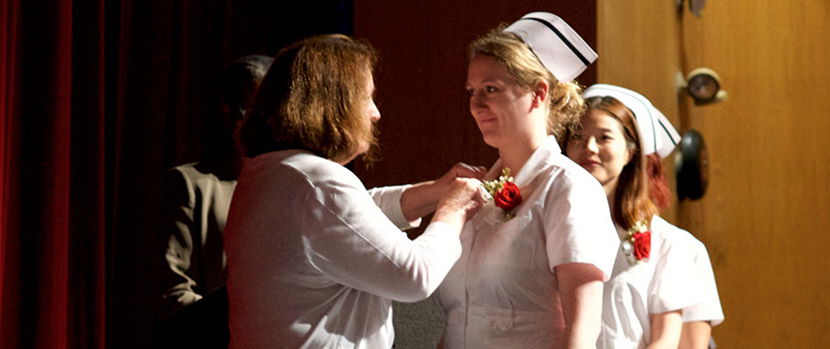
column 97, row 99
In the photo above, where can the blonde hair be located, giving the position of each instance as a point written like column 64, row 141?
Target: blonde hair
column 564, row 98
column 314, row 97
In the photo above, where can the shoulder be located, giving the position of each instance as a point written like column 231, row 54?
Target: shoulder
column 195, row 173
column 676, row 236
column 569, row 180
column 302, row 166
column 198, row 178
column 179, row 184
column 183, row 171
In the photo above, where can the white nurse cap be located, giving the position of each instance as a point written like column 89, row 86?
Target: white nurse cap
column 656, row 132
column 556, row 44
column 667, row 135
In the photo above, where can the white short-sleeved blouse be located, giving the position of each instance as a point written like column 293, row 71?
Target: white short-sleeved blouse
column 666, row 281
column 503, row 293
column 709, row 309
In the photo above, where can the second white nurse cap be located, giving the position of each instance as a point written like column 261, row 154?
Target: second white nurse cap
column 556, row 44
column 657, row 135
column 667, row 134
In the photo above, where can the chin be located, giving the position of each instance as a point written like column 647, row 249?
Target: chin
column 490, row 139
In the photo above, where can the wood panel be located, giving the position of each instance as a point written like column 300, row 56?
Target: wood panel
column 638, row 43
column 765, row 215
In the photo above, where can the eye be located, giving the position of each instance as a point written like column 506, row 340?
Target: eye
column 575, row 137
column 491, row 89
column 471, row 91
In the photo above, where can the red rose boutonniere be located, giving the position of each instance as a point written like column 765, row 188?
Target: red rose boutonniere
column 504, row 193
column 637, row 244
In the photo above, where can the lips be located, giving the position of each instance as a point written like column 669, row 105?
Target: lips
column 486, row 120
column 589, row 163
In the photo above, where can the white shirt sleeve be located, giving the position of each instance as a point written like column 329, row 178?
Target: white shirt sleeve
column 348, row 238
column 578, row 225
column 710, row 308
column 671, row 288
column 389, row 201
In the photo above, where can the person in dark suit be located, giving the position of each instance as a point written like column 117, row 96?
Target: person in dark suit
column 193, row 305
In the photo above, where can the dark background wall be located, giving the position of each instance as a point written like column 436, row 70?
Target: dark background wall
column 97, row 100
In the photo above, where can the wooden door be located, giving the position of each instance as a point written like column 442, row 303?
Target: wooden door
column 766, row 213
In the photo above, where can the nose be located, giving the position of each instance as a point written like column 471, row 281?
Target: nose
column 477, row 103
column 591, row 145
column 374, row 113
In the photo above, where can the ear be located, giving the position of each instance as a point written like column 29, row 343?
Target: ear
column 540, row 93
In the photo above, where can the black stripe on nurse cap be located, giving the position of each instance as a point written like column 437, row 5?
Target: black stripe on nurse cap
column 563, row 52
column 669, row 136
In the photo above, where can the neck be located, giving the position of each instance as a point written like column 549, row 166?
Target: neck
column 515, row 154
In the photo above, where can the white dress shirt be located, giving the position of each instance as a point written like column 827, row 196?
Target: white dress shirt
column 314, row 262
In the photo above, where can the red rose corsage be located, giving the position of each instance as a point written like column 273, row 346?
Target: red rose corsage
column 504, row 192
column 637, row 244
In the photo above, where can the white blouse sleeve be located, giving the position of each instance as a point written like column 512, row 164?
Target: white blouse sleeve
column 389, row 201
column 710, row 308
column 671, row 287
column 348, row 238
column 578, row 225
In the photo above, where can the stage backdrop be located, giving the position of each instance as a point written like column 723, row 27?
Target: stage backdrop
column 97, row 100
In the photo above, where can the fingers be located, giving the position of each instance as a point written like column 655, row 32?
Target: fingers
column 465, row 196
column 462, row 170
column 460, row 204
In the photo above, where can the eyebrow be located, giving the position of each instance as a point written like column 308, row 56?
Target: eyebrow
column 487, row 80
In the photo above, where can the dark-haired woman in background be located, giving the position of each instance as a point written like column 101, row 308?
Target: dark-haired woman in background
column 650, row 285
column 698, row 319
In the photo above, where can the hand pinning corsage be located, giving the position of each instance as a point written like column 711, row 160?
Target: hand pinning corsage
column 504, row 193
column 637, row 244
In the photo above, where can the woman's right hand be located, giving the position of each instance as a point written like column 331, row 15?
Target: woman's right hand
column 460, row 204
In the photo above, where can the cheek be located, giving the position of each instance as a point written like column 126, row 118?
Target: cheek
column 616, row 153
column 572, row 152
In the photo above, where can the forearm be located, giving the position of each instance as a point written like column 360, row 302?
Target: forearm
column 579, row 335
column 582, row 330
column 581, row 296
column 177, row 287
column 695, row 335
column 665, row 330
column 421, row 199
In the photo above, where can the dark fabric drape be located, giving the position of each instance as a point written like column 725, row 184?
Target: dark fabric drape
column 97, row 99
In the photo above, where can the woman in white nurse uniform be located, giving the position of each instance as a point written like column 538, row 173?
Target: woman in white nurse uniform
column 649, row 287
column 697, row 319
column 533, row 261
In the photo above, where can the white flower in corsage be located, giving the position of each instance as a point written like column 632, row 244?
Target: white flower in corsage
column 504, row 193
column 637, row 244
